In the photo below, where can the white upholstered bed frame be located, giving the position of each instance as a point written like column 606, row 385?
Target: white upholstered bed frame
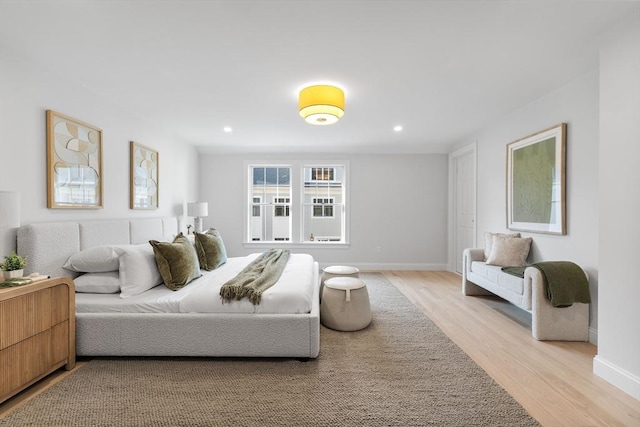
column 47, row 246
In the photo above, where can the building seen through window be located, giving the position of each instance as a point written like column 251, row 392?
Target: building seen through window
column 319, row 209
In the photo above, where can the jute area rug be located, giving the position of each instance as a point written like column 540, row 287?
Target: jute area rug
column 400, row 371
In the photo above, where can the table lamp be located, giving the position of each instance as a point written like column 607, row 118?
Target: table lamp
column 198, row 210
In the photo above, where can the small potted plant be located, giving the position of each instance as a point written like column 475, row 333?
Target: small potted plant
column 13, row 266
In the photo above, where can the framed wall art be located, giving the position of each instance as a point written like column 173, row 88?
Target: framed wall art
column 536, row 182
column 74, row 163
column 144, row 177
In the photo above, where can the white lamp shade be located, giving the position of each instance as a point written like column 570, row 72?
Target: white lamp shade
column 9, row 209
column 198, row 209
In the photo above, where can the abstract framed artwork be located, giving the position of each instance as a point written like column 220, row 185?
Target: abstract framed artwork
column 536, row 187
column 74, row 163
column 144, row 177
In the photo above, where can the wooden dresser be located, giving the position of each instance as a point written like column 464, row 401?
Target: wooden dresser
column 37, row 333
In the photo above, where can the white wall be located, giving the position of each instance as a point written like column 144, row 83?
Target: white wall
column 397, row 202
column 577, row 105
column 602, row 110
column 28, row 90
column 618, row 359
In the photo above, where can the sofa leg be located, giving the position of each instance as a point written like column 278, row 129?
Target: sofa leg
column 561, row 324
column 469, row 288
column 549, row 323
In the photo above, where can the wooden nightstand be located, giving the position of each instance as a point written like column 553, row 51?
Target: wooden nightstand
column 37, row 333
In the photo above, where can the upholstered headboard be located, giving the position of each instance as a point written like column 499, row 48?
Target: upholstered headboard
column 48, row 245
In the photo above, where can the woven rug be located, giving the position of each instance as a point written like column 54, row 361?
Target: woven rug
column 400, row 371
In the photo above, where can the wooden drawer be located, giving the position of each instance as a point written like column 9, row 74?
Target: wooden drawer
column 37, row 333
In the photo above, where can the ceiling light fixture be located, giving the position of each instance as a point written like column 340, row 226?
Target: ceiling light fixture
column 321, row 104
column 227, row 129
column 397, row 128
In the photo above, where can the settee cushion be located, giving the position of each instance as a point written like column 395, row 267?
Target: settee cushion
column 509, row 251
column 497, row 276
column 488, row 241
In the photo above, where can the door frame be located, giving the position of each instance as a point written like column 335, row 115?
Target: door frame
column 452, row 226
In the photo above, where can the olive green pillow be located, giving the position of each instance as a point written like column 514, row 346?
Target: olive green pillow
column 177, row 261
column 210, row 248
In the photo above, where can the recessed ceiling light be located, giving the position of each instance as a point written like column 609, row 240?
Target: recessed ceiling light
column 397, row 128
column 227, row 129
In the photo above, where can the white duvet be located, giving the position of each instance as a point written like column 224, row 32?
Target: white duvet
column 292, row 294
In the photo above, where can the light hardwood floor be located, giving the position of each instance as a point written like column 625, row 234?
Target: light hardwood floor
column 553, row 381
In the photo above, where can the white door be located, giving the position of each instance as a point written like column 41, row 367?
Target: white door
column 464, row 204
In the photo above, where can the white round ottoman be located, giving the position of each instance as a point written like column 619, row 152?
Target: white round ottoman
column 345, row 304
column 337, row 271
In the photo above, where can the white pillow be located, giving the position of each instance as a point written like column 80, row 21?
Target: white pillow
column 488, row 241
column 138, row 269
column 98, row 283
column 509, row 251
column 93, row 260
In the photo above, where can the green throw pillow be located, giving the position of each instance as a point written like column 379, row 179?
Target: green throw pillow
column 210, row 248
column 177, row 261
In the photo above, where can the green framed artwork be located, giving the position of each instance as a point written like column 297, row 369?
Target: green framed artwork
column 536, row 182
column 143, row 177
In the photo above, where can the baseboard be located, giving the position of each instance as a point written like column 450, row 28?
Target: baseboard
column 390, row 266
column 593, row 336
column 624, row 380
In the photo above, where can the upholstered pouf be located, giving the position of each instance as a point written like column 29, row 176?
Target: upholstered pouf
column 337, row 271
column 345, row 304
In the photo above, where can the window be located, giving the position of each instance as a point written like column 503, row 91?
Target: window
column 323, row 207
column 270, row 183
column 323, row 203
column 281, row 209
column 322, row 174
column 304, row 203
column 256, row 208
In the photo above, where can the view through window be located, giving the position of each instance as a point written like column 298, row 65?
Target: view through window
column 318, row 208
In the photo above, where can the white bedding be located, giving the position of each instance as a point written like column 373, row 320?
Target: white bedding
column 292, row 294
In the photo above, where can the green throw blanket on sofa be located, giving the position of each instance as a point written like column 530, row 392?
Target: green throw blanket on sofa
column 256, row 277
column 565, row 282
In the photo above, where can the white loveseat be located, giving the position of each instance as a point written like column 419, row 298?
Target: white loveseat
column 547, row 322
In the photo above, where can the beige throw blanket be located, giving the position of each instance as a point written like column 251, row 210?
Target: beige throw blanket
column 256, row 277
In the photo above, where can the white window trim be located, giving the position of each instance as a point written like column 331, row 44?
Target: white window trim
column 297, row 167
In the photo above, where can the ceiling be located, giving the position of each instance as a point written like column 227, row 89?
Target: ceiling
column 440, row 69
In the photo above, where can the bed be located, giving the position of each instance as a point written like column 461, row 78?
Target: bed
column 161, row 322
